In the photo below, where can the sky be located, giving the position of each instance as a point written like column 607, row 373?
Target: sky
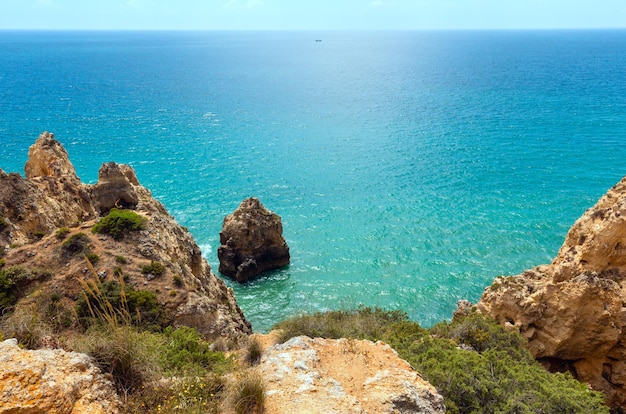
column 310, row 15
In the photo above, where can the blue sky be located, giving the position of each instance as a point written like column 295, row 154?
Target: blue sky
column 308, row 14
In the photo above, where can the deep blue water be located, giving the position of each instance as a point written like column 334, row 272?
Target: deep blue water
column 410, row 168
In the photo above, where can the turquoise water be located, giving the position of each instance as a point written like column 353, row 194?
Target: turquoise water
column 410, row 168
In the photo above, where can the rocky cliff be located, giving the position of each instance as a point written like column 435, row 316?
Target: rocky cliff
column 43, row 211
column 52, row 381
column 305, row 375
column 573, row 311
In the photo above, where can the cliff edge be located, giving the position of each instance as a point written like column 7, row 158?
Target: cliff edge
column 573, row 311
column 47, row 229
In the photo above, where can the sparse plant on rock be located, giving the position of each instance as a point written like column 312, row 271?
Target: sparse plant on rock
column 254, row 352
column 178, row 281
column 119, row 222
column 62, row 233
column 93, row 258
column 77, row 244
column 154, row 268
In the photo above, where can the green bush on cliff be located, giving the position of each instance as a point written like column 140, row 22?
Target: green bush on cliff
column 154, row 268
column 119, row 222
column 477, row 365
column 185, row 352
column 13, row 280
column 77, row 244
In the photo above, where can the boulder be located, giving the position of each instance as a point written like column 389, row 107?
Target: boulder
column 573, row 311
column 52, row 381
column 306, row 375
column 251, row 242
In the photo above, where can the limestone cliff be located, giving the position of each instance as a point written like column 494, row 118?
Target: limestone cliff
column 251, row 242
column 52, row 381
column 51, row 197
column 573, row 311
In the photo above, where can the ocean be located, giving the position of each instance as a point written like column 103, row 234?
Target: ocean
column 409, row 168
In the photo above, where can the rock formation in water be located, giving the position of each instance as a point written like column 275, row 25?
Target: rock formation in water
column 306, row 375
column 573, row 311
column 52, row 381
column 251, row 242
column 33, row 211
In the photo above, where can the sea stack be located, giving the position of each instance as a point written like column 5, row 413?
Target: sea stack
column 251, row 242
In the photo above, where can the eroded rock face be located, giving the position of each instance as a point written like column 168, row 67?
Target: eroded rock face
column 115, row 188
column 33, row 209
column 573, row 311
column 306, row 375
column 251, row 242
column 52, row 381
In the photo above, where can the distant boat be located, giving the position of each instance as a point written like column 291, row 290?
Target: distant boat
column 318, row 40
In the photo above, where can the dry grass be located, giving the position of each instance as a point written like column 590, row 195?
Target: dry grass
column 246, row 393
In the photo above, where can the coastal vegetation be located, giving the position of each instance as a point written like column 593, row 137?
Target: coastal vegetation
column 477, row 365
column 155, row 367
column 119, row 222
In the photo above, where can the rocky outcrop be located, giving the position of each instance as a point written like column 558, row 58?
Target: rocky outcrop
column 251, row 242
column 306, row 375
column 52, row 197
column 115, row 188
column 573, row 311
column 52, row 381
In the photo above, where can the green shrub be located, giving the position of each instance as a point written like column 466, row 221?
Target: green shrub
column 62, row 233
column 365, row 323
column 3, row 223
column 499, row 375
column 185, row 352
column 39, row 234
column 121, row 259
column 119, row 222
column 77, row 244
column 13, row 280
column 2, row 262
column 154, row 268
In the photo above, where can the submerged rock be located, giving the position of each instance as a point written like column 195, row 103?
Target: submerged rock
column 573, row 311
column 251, row 242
